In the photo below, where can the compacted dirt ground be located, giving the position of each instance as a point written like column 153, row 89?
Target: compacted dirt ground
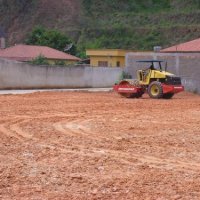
column 65, row 145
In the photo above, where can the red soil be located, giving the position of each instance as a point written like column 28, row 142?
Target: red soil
column 99, row 146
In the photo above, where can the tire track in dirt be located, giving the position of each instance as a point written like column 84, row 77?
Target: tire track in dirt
column 12, row 127
column 141, row 159
column 78, row 127
column 5, row 129
column 164, row 163
column 15, row 128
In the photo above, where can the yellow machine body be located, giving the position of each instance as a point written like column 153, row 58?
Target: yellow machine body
column 145, row 76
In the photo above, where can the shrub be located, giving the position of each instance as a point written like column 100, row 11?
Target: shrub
column 125, row 75
column 60, row 62
column 40, row 60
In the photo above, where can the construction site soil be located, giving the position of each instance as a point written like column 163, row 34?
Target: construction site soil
column 81, row 145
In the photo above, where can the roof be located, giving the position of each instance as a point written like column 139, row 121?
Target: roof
column 28, row 52
column 150, row 61
column 191, row 46
column 2, row 32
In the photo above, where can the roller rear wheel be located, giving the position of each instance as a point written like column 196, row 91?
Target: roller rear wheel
column 155, row 90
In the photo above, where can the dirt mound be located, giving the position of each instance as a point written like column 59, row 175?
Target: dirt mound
column 99, row 146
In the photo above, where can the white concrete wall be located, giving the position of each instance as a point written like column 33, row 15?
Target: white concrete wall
column 16, row 75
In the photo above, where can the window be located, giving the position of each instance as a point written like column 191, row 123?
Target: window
column 103, row 64
column 118, row 63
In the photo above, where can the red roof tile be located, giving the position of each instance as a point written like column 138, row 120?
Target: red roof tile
column 28, row 52
column 191, row 46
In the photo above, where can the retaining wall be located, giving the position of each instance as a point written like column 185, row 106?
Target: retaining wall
column 186, row 65
column 17, row 75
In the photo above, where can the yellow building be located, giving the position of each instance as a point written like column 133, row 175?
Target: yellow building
column 107, row 57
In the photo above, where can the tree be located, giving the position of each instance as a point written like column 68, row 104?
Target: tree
column 40, row 60
column 51, row 38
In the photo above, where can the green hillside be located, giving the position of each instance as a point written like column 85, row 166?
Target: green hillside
column 141, row 24
column 133, row 24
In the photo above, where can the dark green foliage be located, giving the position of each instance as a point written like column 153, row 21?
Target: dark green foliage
column 125, row 75
column 60, row 62
column 40, row 60
column 51, row 38
column 96, row 6
column 124, row 37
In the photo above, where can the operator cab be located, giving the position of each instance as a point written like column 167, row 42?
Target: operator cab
column 153, row 64
column 145, row 74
